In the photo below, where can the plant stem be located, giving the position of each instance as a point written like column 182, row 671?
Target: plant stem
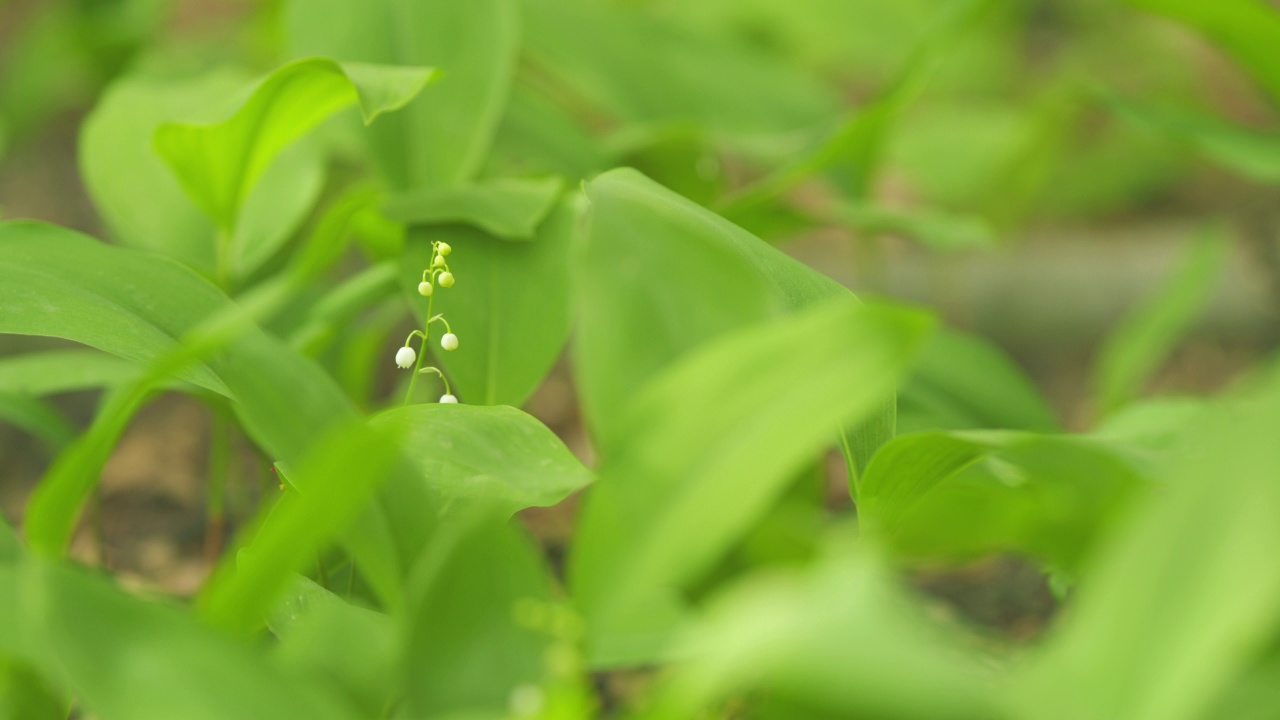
column 422, row 347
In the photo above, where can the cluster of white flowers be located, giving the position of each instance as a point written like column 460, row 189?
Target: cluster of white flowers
column 437, row 273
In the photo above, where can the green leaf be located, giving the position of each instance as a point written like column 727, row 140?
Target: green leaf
column 1142, row 340
column 962, row 495
column 38, row 418
column 510, row 306
column 440, row 140
column 1252, row 153
column 1249, row 30
column 511, row 209
column 57, row 371
column 142, row 202
column 10, row 547
column 1187, row 594
column 496, row 456
column 218, row 165
column 672, row 496
column 58, row 283
column 838, row 639
column 125, row 658
column 466, row 648
column 338, row 644
column 962, row 382
column 333, row 485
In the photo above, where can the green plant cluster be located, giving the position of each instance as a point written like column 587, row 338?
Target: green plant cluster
column 605, row 179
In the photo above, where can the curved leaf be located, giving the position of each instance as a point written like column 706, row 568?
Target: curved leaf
column 56, row 371
column 436, row 141
column 495, row 456
column 659, row 276
column 708, row 445
column 142, row 202
column 125, row 658
column 219, row 164
column 959, row 495
column 511, row 209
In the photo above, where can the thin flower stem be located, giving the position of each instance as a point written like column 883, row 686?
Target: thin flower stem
column 422, row 347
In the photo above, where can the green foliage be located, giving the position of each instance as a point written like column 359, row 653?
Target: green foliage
column 624, row 503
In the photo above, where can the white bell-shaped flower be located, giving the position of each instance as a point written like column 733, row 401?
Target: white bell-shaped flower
column 443, row 248
column 406, row 357
column 448, row 400
column 449, row 341
column 446, row 279
column 425, row 289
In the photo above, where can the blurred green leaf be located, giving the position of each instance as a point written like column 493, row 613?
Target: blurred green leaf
column 122, row 657
column 332, row 486
column 962, row 382
column 661, row 275
column 1249, row 30
column 24, row 695
column 218, row 165
column 1252, row 153
column 441, row 140
column 511, row 209
column 465, row 646
column 655, row 71
column 10, row 547
column 936, row 230
column 56, row 282
column 57, row 371
column 496, row 456
column 1188, row 592
column 338, row 644
column 1145, row 337
column 510, row 306
column 142, row 202
column 961, row 495
column 838, row 639
column 38, row 418
column 756, row 404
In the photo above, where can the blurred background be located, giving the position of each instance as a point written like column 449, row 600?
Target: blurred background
column 1034, row 170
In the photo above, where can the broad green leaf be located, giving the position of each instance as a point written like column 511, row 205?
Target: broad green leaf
column 837, row 639
column 1142, row 340
column 708, row 445
column 661, row 275
column 38, row 418
column 142, row 202
column 962, row 382
column 1249, row 30
column 57, row 371
column 340, row 305
column 537, row 136
column 336, row 643
column 218, row 165
column 510, row 305
column 507, row 208
column 24, row 695
column 961, row 495
column 1187, row 594
column 58, row 283
column 1252, row 153
column 122, row 657
column 465, row 647
column 496, row 456
column 441, row 139
column 331, row 487
column 933, row 229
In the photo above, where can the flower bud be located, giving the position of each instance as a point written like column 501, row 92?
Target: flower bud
column 449, row 341
column 443, row 248
column 438, row 262
column 425, row 289
column 448, row 400
column 446, row 279
column 406, row 357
